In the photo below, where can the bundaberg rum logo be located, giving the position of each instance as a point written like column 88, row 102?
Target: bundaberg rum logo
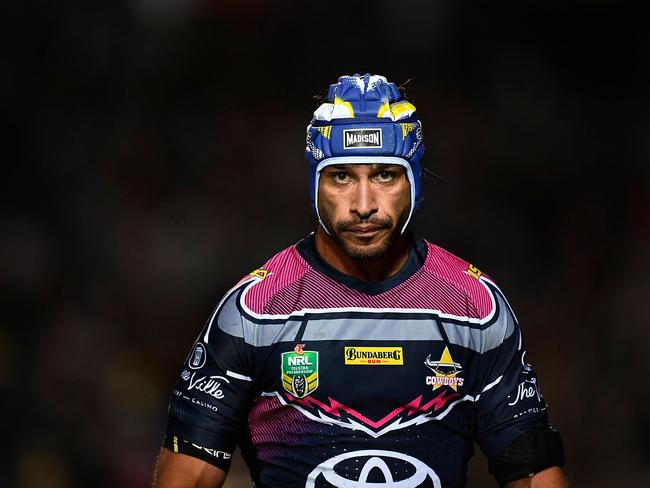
column 300, row 371
column 381, row 356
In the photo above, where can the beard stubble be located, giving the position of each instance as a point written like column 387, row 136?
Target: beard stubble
column 359, row 252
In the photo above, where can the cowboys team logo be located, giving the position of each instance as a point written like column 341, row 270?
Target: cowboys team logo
column 446, row 371
column 300, row 371
column 373, row 469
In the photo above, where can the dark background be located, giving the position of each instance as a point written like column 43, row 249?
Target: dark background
column 153, row 156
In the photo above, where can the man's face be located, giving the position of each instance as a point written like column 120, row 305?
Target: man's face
column 364, row 206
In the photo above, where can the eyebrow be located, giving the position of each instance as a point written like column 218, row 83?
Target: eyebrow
column 343, row 167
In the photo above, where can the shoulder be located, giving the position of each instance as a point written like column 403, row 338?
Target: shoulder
column 257, row 289
column 278, row 275
column 493, row 318
column 461, row 278
column 236, row 312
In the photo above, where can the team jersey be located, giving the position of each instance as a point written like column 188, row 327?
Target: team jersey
column 327, row 381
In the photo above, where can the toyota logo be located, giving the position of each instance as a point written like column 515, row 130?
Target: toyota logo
column 349, row 461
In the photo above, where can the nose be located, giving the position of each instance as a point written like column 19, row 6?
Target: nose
column 364, row 203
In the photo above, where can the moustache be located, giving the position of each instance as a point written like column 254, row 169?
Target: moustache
column 375, row 222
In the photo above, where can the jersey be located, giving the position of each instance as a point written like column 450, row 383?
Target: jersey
column 324, row 380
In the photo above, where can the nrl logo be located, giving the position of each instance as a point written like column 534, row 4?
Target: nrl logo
column 300, row 371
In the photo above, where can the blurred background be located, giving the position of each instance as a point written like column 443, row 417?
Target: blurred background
column 153, row 156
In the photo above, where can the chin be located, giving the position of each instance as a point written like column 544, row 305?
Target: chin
column 364, row 252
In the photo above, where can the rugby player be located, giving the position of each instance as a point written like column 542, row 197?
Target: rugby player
column 363, row 355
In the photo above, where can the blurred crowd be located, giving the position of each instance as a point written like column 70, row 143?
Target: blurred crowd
column 153, row 156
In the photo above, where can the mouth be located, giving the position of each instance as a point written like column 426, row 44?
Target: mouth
column 364, row 230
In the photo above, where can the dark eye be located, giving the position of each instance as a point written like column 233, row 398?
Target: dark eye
column 340, row 177
column 385, row 175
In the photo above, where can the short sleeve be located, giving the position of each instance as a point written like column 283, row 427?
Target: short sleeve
column 213, row 395
column 510, row 402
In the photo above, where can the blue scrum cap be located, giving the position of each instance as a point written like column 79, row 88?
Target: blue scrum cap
column 365, row 121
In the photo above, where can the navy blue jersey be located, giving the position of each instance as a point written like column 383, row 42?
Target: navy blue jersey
column 324, row 380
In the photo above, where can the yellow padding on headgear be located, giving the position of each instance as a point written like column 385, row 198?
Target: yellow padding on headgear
column 399, row 108
column 383, row 109
column 348, row 105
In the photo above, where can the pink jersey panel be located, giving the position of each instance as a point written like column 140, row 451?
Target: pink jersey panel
column 284, row 269
column 455, row 271
column 273, row 425
column 442, row 284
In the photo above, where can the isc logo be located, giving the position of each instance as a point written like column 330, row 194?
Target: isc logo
column 299, row 361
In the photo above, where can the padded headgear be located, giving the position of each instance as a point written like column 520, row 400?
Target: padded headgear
column 365, row 121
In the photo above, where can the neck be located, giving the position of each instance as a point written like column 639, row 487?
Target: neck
column 372, row 270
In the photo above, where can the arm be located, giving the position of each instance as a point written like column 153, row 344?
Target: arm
column 182, row 471
column 209, row 405
column 549, row 478
column 513, row 428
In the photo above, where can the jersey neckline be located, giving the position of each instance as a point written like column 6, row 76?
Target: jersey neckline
column 417, row 255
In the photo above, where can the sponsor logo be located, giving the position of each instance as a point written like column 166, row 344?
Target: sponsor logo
column 382, row 356
column 260, row 273
column 203, row 404
column 196, row 401
column 474, row 272
column 300, row 371
column 446, row 371
column 198, row 357
column 373, row 469
column 529, row 411
column 186, row 375
column 526, row 389
column 212, row 452
column 361, row 138
column 525, row 367
column 210, row 385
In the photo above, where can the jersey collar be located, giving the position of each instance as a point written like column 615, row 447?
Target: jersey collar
column 417, row 255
